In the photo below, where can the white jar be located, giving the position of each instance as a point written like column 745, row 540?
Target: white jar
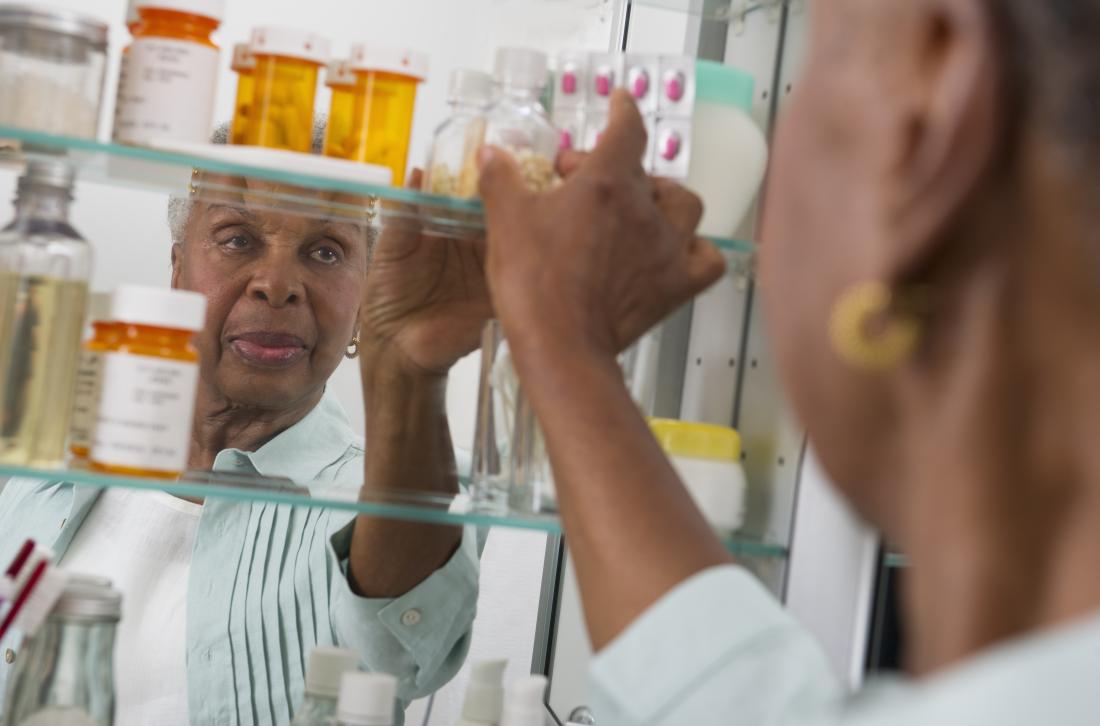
column 729, row 153
column 708, row 460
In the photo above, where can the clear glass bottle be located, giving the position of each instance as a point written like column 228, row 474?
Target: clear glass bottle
column 517, row 121
column 44, row 269
column 65, row 672
column 452, row 161
column 510, row 466
column 326, row 667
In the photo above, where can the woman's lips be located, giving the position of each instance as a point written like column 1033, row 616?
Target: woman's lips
column 269, row 350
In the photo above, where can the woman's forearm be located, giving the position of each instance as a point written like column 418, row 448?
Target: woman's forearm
column 408, row 449
column 633, row 531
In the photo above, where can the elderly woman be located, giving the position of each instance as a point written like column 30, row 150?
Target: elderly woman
column 932, row 277
column 224, row 600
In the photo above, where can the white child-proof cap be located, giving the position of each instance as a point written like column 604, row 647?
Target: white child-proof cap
column 243, row 60
column 470, row 86
column 326, row 667
column 389, row 59
column 485, row 694
column 213, row 9
column 159, row 307
column 366, row 699
column 520, row 67
column 339, row 73
column 523, row 704
column 99, row 307
column 290, row 43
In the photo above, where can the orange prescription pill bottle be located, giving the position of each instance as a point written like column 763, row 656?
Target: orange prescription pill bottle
column 86, row 390
column 244, row 65
column 287, row 63
column 148, row 380
column 341, row 81
column 385, row 98
column 169, row 81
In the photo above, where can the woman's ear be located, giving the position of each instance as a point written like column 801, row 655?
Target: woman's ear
column 947, row 126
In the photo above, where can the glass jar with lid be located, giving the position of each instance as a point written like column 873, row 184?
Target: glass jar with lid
column 65, row 672
column 51, row 70
column 517, row 121
column 44, row 270
column 452, row 161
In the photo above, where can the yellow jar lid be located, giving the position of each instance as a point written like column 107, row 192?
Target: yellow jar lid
column 697, row 440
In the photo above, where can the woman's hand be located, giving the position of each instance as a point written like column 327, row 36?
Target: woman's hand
column 592, row 265
column 425, row 298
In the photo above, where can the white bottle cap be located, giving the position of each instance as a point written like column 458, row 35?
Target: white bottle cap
column 243, row 60
column 470, row 87
column 485, row 694
column 389, row 59
column 523, row 704
column 159, row 307
column 366, row 699
column 520, row 68
column 99, row 307
column 290, row 43
column 339, row 73
column 326, row 667
column 213, row 9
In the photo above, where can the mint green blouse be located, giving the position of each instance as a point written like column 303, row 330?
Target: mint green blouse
column 268, row 583
column 720, row 651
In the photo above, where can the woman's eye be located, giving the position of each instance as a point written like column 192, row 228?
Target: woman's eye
column 236, row 242
column 326, row 255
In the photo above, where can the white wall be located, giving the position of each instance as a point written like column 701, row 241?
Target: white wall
column 131, row 242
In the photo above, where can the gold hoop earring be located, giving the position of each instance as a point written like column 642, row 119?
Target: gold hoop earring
column 852, row 328
column 353, row 348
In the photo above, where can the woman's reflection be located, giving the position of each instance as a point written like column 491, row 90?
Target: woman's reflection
column 224, row 600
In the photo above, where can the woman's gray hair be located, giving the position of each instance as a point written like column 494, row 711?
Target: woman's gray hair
column 179, row 207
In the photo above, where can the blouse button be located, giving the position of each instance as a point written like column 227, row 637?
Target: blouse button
column 9, row 656
column 410, row 617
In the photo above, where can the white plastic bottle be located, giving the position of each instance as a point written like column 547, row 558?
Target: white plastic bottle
column 523, row 703
column 729, row 153
column 484, row 695
column 326, row 667
column 366, row 699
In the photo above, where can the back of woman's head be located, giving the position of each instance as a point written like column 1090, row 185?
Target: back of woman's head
column 928, row 261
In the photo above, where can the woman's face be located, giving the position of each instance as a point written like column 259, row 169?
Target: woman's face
column 820, row 236
column 283, row 293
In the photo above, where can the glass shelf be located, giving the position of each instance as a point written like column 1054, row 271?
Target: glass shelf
column 171, row 172
column 895, row 560
column 412, row 506
column 721, row 10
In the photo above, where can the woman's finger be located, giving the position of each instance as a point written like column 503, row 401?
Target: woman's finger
column 682, row 208
column 569, row 160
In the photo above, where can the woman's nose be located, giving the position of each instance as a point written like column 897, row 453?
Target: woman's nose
column 275, row 285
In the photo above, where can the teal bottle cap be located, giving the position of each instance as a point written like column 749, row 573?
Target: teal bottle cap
column 723, row 85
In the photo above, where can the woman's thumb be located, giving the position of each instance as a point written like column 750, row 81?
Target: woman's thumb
column 500, row 181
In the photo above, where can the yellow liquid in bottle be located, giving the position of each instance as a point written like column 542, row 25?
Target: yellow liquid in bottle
column 41, row 321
